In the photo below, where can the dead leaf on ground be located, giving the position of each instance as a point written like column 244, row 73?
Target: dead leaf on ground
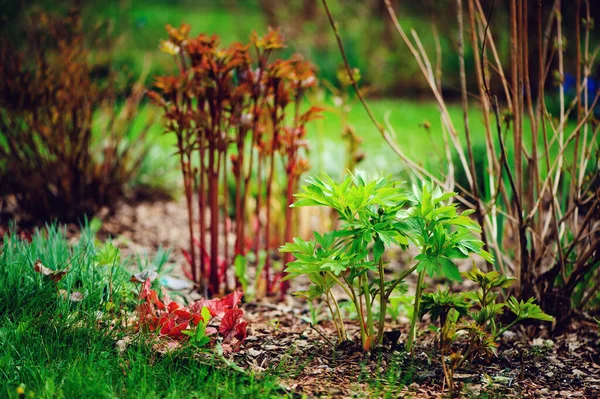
column 143, row 276
column 54, row 275
column 75, row 296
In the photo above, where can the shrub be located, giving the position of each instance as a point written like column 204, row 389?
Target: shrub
column 474, row 318
column 50, row 158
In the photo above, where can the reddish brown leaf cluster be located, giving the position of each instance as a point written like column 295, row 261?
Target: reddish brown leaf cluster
column 49, row 93
column 228, row 108
column 170, row 319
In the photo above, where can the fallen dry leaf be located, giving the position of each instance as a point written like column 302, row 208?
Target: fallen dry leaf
column 143, row 276
column 54, row 275
column 74, row 297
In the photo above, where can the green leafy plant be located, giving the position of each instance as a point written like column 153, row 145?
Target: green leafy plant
column 441, row 234
column 472, row 318
column 374, row 215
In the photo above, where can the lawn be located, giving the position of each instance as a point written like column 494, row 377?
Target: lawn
column 53, row 345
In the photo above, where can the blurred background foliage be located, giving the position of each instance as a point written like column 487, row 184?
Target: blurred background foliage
column 136, row 26
column 123, row 37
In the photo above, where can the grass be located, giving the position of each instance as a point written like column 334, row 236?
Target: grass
column 54, row 347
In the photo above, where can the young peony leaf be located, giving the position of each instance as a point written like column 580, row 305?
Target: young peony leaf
column 450, row 270
column 378, row 249
column 527, row 310
column 307, row 202
column 427, row 264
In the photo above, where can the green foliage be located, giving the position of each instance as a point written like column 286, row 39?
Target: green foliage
column 375, row 215
column 527, row 310
column 198, row 336
column 474, row 317
column 108, row 255
column 441, row 302
column 440, row 233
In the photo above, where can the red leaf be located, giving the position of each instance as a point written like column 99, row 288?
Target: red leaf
column 240, row 331
column 173, row 306
column 219, row 306
column 229, row 321
column 173, row 330
column 166, row 324
column 150, row 295
column 186, row 315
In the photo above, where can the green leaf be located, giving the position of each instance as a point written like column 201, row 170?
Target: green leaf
column 430, row 265
column 426, row 203
column 450, row 270
column 240, row 263
column 307, row 202
column 108, row 255
column 205, row 313
column 378, row 249
column 527, row 310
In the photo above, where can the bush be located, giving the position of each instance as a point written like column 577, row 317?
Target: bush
column 50, row 158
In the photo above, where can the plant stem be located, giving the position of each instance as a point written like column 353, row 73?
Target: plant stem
column 213, row 187
column 322, row 335
column 368, row 305
column 333, row 318
column 350, row 291
column 415, row 316
column 382, row 302
column 339, row 315
column 398, row 280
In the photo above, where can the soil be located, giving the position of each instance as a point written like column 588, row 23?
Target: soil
column 281, row 338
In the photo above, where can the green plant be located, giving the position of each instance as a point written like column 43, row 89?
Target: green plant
column 51, row 160
column 473, row 319
column 375, row 215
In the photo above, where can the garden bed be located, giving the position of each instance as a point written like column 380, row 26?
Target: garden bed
column 282, row 343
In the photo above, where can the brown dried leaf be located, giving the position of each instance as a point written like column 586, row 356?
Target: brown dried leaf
column 143, row 276
column 54, row 275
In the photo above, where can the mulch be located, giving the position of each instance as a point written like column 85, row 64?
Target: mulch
column 282, row 339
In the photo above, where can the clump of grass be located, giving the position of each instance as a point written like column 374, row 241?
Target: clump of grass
column 53, row 346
